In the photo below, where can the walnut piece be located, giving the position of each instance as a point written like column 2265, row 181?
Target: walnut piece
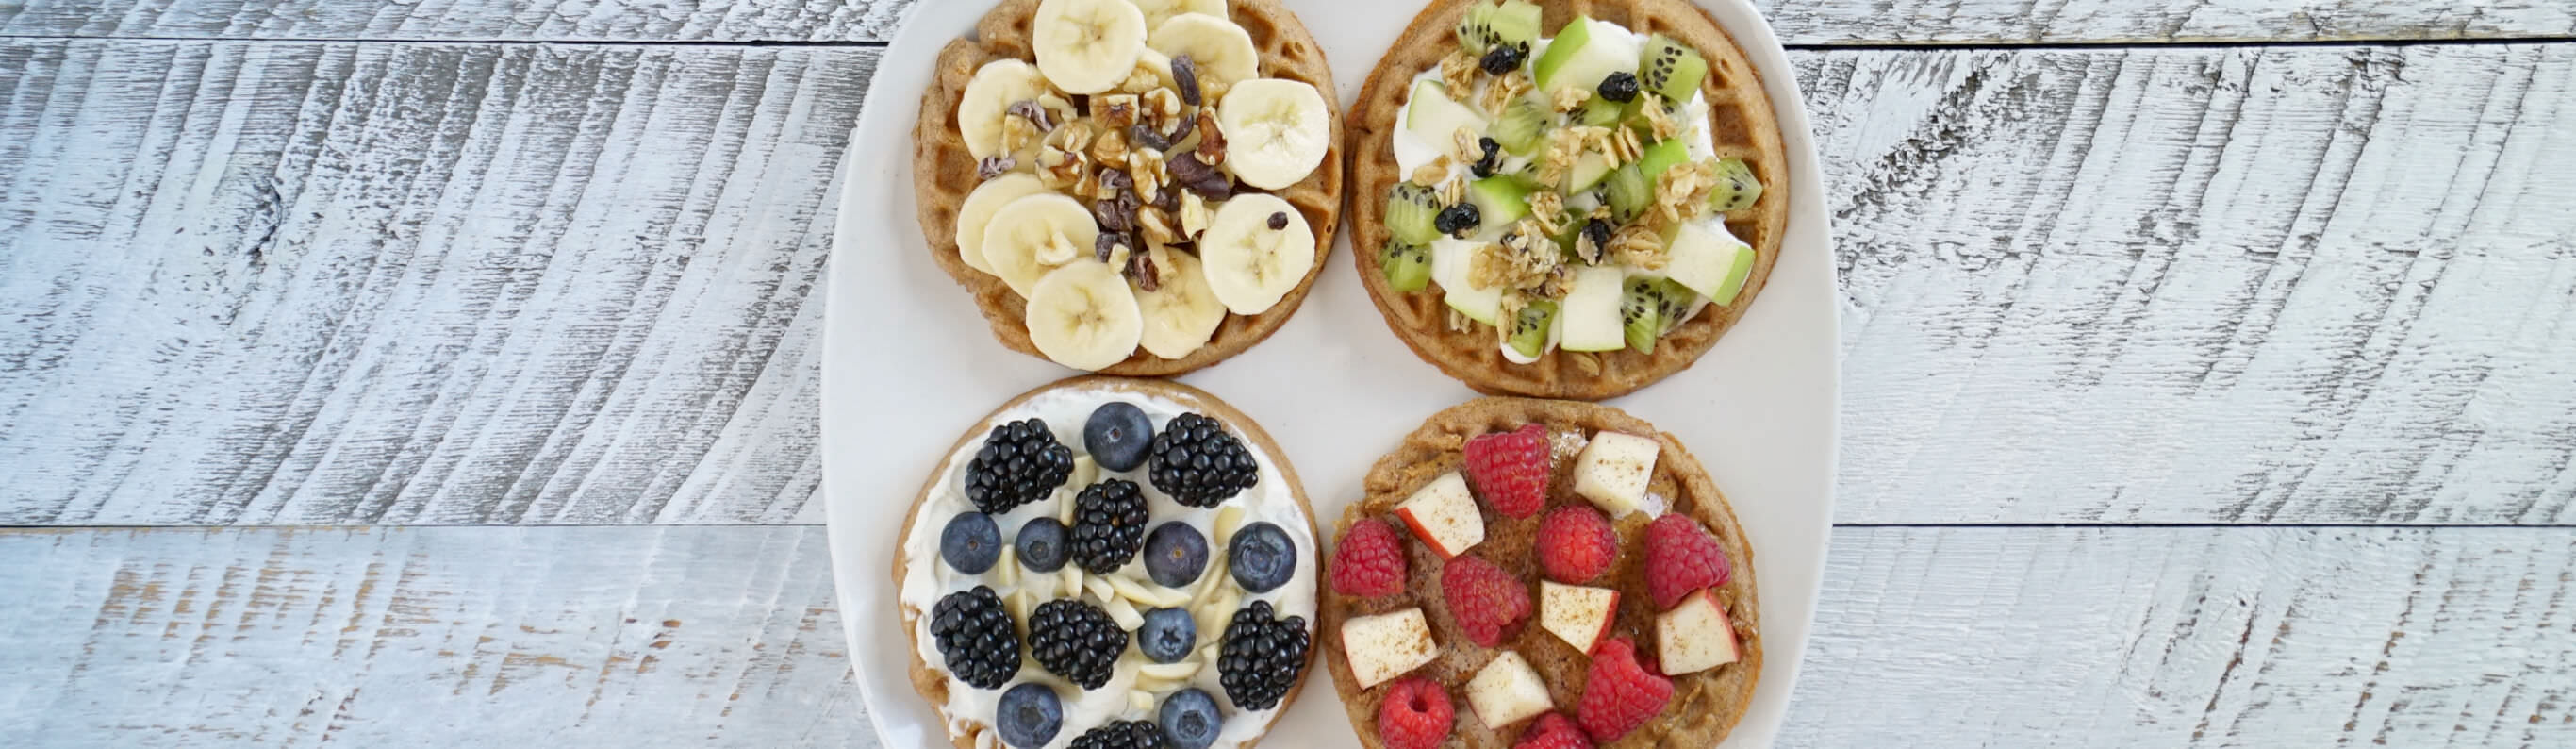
column 1146, row 168
column 1110, row 148
column 1161, row 110
column 1156, row 226
column 1114, row 111
column 1194, row 216
column 1059, row 169
column 1211, row 147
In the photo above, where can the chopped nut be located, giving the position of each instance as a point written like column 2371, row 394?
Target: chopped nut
column 1161, row 110
column 1147, row 268
column 1146, row 167
column 1505, row 89
column 1056, row 107
column 1145, row 136
column 1638, row 245
column 1548, row 209
column 1194, row 216
column 1213, row 89
column 1087, row 184
column 1035, row 113
column 1660, row 121
column 1059, row 169
column 1568, row 98
column 1185, row 79
column 1115, row 111
column 1156, row 226
column 1108, row 245
column 1144, row 78
column 1186, row 171
column 1114, row 183
column 1458, row 73
column 1211, row 149
column 995, row 166
column 1110, row 148
column 1073, row 136
column 1020, row 133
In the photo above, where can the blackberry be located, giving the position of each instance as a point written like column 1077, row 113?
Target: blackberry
column 1122, row 734
column 1262, row 656
column 1108, row 525
column 1077, row 641
column 1019, row 463
column 976, row 636
column 1198, row 463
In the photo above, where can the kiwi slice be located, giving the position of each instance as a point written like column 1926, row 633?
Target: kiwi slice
column 1670, row 69
column 1600, row 112
column 1663, row 156
column 1407, row 266
column 1736, row 189
column 1677, row 303
column 1641, row 313
column 1629, row 192
column 1486, row 25
column 1501, row 199
column 1410, row 209
column 1522, row 128
column 1529, row 328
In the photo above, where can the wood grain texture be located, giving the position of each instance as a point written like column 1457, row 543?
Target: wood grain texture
column 1934, row 637
column 399, row 283
column 2238, row 286
column 1798, row 23
column 301, row 283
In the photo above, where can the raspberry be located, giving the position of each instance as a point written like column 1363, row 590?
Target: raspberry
column 1510, row 469
column 1575, row 544
column 1415, row 715
column 1553, row 731
column 1487, row 602
column 1370, row 561
column 1681, row 558
column 1619, row 695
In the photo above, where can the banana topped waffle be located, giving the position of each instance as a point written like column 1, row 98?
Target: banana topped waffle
column 1134, row 187
column 1524, row 568
column 1110, row 562
column 1565, row 198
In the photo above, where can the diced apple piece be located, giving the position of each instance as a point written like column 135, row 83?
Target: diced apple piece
column 1591, row 311
column 1613, row 471
column 1450, row 263
column 1577, row 614
column 1701, row 258
column 1436, row 119
column 1695, row 636
column 1443, row 513
column 1507, row 691
column 1386, row 646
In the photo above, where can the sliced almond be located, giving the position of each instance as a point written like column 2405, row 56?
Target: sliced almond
column 1122, row 613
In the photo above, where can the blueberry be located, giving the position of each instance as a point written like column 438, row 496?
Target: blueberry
column 1168, row 635
column 1620, row 87
column 1030, row 715
column 1190, row 719
column 1175, row 554
column 1117, row 436
column 971, row 542
column 1457, row 219
column 1262, row 557
column 1041, row 545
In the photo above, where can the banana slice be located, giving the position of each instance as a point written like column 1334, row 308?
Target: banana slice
column 1250, row 265
column 989, row 95
column 1218, row 48
column 1082, row 316
column 1158, row 11
column 1087, row 46
column 1275, row 131
column 976, row 213
column 1028, row 229
column 1180, row 313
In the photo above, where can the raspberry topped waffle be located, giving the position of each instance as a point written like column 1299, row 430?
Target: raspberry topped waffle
column 1541, row 573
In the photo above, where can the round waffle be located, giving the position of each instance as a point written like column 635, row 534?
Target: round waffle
column 1704, row 706
column 933, row 683
column 943, row 172
column 1740, row 123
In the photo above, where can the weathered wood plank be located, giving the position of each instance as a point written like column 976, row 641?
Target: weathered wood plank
column 1798, row 23
column 332, row 283
column 652, row 636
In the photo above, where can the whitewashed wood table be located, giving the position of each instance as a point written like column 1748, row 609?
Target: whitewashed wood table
column 395, row 373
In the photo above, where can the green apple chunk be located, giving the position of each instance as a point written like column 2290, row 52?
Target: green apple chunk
column 1581, row 56
column 1591, row 310
column 1700, row 257
column 1501, row 199
column 1436, row 119
column 1450, row 260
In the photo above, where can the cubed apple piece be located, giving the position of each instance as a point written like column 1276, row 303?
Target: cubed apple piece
column 1386, row 646
column 1578, row 615
column 1613, row 471
column 1444, row 515
column 1507, row 691
column 1695, row 636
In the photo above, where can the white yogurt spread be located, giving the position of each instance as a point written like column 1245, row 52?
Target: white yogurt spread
column 1411, row 152
column 927, row 578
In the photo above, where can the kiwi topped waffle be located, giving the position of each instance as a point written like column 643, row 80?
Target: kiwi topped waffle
column 1564, row 198
column 1522, row 567
column 1135, row 187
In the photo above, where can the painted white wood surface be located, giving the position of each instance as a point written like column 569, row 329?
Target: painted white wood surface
column 653, row 636
column 1798, row 23
column 297, row 283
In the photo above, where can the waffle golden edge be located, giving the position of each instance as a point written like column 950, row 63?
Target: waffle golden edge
column 1095, row 522
column 1109, row 215
column 1606, row 600
column 1519, row 298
